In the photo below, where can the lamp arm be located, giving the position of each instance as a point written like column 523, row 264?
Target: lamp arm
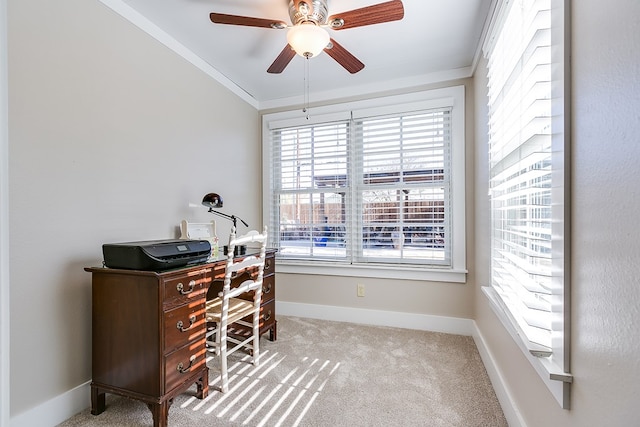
column 234, row 221
column 221, row 214
column 233, row 218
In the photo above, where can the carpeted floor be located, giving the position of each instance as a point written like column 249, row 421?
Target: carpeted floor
column 321, row 373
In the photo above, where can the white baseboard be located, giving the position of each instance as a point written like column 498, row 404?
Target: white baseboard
column 56, row 410
column 510, row 410
column 425, row 322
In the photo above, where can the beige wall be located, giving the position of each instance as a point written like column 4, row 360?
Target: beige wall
column 403, row 296
column 605, row 236
column 111, row 136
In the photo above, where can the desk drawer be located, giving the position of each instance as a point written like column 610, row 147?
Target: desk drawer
column 183, row 324
column 269, row 268
column 184, row 289
column 269, row 265
column 180, row 364
column 267, row 314
column 268, row 289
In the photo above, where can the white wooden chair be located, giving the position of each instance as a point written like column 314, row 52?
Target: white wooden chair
column 227, row 308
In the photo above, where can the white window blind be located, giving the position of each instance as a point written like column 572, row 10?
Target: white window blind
column 403, row 187
column 310, row 182
column 367, row 186
column 528, row 191
column 520, row 165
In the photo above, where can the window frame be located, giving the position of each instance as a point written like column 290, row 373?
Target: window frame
column 430, row 99
column 552, row 366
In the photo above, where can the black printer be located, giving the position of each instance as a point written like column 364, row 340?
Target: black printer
column 155, row 255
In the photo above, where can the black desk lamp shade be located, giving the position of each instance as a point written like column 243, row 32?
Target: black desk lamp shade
column 214, row 200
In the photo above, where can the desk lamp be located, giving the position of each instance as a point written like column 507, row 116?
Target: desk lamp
column 214, row 201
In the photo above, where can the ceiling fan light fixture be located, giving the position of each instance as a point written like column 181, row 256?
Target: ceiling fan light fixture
column 308, row 39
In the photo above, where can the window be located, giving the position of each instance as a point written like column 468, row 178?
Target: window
column 528, row 144
column 376, row 184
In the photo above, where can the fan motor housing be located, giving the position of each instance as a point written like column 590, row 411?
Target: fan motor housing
column 308, row 10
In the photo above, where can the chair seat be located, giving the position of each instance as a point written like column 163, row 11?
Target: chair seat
column 238, row 308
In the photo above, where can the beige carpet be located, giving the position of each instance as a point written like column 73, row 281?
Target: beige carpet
column 321, row 373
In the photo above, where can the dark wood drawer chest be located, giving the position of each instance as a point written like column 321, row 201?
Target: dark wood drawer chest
column 149, row 332
column 148, row 336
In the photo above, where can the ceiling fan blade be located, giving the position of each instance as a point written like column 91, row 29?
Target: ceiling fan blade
column 344, row 57
column 282, row 60
column 221, row 18
column 378, row 13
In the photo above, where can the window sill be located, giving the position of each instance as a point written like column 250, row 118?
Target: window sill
column 386, row 271
column 557, row 381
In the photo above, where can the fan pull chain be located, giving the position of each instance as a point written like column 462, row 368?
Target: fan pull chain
column 305, row 108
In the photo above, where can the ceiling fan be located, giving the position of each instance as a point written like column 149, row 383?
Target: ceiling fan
column 308, row 37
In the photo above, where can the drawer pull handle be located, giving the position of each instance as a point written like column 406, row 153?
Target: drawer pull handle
column 180, row 325
column 266, row 289
column 180, row 368
column 180, row 287
column 267, row 264
column 267, row 316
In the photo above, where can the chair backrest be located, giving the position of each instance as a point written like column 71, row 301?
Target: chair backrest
column 251, row 261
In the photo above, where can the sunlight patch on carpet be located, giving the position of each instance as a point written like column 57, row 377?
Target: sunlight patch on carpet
column 273, row 392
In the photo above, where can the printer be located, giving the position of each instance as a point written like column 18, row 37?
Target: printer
column 155, row 255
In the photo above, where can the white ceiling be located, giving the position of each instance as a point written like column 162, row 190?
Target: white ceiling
column 436, row 40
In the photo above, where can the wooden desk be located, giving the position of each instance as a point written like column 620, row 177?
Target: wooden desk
column 149, row 332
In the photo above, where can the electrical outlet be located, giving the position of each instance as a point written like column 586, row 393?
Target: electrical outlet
column 360, row 290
